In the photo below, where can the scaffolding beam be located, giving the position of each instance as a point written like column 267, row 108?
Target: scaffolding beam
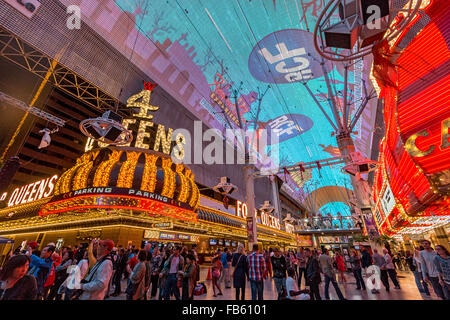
column 31, row 59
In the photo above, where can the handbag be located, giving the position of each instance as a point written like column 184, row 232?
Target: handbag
column 237, row 263
column 180, row 282
column 77, row 293
column 216, row 273
column 131, row 288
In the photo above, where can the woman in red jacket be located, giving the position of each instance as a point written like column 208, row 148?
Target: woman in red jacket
column 340, row 266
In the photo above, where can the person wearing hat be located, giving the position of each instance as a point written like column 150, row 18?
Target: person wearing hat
column 96, row 283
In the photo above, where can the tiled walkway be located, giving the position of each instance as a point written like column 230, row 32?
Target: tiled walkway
column 408, row 290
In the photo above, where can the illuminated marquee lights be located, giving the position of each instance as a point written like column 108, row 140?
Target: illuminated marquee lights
column 33, row 191
column 153, row 204
column 144, row 106
column 163, row 140
column 414, row 151
column 63, row 185
column 183, row 196
column 169, row 178
column 195, row 198
column 149, row 176
column 265, row 218
column 126, row 174
column 101, row 177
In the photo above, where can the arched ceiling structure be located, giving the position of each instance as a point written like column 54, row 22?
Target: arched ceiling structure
column 201, row 51
column 320, row 197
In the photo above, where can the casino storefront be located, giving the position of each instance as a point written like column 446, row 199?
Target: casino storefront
column 412, row 185
column 128, row 195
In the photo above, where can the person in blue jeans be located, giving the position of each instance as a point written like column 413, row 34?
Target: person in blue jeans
column 413, row 262
column 226, row 267
column 256, row 271
column 327, row 269
column 355, row 260
column 172, row 269
column 257, row 288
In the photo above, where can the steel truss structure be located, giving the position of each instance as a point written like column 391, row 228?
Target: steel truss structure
column 33, row 110
column 26, row 56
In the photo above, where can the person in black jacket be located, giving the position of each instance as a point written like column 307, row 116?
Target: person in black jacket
column 279, row 269
column 312, row 275
column 240, row 273
column 366, row 259
column 15, row 284
column 119, row 266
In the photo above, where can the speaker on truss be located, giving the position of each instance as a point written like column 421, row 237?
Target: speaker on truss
column 369, row 8
column 341, row 36
column 94, row 132
column 113, row 133
column 368, row 36
column 363, row 167
column 348, row 8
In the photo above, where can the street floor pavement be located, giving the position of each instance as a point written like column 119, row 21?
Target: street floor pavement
column 408, row 290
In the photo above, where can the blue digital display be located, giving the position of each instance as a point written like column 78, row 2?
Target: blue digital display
column 218, row 44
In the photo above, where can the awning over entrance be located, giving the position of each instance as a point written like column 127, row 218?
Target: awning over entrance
column 210, row 216
column 329, row 232
column 6, row 240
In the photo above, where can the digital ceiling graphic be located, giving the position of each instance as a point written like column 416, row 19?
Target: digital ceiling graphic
column 201, row 50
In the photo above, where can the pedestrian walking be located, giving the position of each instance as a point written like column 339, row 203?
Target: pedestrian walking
column 313, row 278
column 217, row 270
column 119, row 269
column 240, row 272
column 366, row 259
column 257, row 270
column 430, row 272
column 413, row 261
column 172, row 269
column 279, row 272
column 340, row 266
column 155, row 264
column 136, row 282
column 301, row 261
column 388, row 269
column 327, row 269
column 355, row 261
column 442, row 262
column 189, row 276
column 228, row 258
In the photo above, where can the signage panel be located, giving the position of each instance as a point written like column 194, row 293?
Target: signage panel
column 387, row 200
column 32, row 192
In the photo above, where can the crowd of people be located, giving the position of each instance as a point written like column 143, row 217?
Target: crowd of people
column 92, row 271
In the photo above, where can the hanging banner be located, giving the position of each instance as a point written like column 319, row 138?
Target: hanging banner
column 250, row 234
column 369, row 222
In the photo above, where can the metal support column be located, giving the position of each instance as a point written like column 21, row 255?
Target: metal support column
column 250, row 200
